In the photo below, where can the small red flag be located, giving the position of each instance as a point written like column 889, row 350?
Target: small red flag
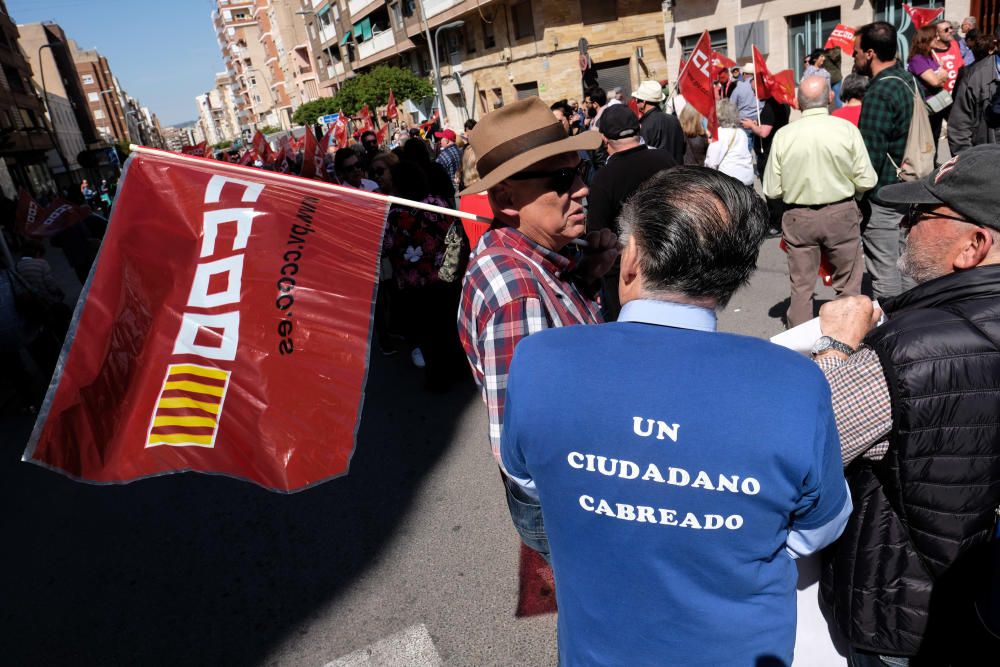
column 922, row 16
column 227, row 334
column 340, row 131
column 633, row 104
column 780, row 86
column 381, row 134
column 310, row 148
column 695, row 83
column 249, row 157
column 842, row 36
column 366, row 119
column 721, row 62
column 391, row 111
column 262, row 148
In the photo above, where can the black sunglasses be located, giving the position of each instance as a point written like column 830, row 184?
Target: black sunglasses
column 915, row 212
column 561, row 179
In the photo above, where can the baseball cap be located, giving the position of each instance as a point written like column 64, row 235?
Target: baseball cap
column 965, row 183
column 445, row 134
column 618, row 122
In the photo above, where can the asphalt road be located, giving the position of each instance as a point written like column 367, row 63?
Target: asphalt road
column 409, row 560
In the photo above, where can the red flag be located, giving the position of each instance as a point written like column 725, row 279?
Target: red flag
column 922, row 16
column 40, row 222
column 633, row 104
column 340, row 131
column 366, row 120
column 226, row 334
column 309, row 154
column 199, row 150
column 826, row 269
column 285, row 152
column 842, row 36
column 695, row 82
column 249, row 157
column 381, row 134
column 780, row 86
column 262, row 148
column 721, row 62
column 391, row 111
column 319, row 160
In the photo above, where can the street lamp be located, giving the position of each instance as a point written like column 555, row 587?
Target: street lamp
column 437, row 65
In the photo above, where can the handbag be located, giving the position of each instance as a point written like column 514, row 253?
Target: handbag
column 940, row 100
column 456, row 254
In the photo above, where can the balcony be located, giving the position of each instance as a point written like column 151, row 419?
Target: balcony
column 355, row 7
column 334, row 71
column 435, row 7
column 379, row 42
column 327, row 33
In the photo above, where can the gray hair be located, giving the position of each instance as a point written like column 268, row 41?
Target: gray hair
column 729, row 115
column 971, row 20
column 698, row 233
column 854, row 87
column 821, row 100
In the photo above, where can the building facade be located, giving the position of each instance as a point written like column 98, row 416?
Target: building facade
column 106, row 100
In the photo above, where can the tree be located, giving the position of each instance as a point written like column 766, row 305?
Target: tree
column 223, row 144
column 371, row 88
column 269, row 129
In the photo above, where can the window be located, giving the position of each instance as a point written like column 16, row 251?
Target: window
column 240, row 15
column 397, row 14
column 807, row 32
column 489, row 38
column 716, row 37
column 14, row 79
column 470, row 37
column 526, row 90
column 93, row 97
column 524, row 23
column 749, row 35
column 98, row 114
column 598, row 12
column 88, row 79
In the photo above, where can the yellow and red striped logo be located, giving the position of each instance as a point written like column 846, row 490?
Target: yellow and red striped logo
column 188, row 409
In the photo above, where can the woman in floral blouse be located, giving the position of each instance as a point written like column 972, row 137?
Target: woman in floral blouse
column 415, row 246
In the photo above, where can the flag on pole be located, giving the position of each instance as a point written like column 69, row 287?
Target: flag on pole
column 228, row 333
column 366, row 119
column 41, row 222
column 309, row 150
column 780, row 86
column 199, row 150
column 381, row 134
column 721, row 62
column 391, row 112
column 843, row 37
column 284, row 159
column 262, row 148
column 340, row 131
column 249, row 157
column 695, row 83
column 921, row 16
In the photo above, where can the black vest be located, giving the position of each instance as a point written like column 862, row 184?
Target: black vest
column 905, row 559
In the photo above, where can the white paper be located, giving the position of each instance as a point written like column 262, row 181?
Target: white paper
column 800, row 338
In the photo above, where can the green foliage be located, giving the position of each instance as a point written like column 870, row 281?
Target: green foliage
column 371, row 88
column 223, row 144
column 269, row 129
column 124, row 149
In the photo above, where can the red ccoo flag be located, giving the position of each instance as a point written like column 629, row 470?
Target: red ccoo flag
column 922, row 16
column 768, row 85
column 228, row 334
column 843, row 37
column 695, row 82
column 721, row 62
column 40, row 222
column 391, row 111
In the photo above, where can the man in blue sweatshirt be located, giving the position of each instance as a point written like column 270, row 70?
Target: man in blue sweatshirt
column 675, row 499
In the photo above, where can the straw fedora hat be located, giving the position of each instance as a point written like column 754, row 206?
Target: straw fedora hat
column 516, row 136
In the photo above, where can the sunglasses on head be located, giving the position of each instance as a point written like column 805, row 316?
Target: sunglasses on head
column 560, row 179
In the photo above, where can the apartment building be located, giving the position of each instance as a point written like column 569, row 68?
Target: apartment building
column 49, row 54
column 786, row 31
column 491, row 52
column 106, row 99
column 239, row 37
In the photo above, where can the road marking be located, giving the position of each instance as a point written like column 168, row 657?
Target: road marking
column 412, row 647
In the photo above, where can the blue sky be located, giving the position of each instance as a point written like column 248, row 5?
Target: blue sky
column 162, row 51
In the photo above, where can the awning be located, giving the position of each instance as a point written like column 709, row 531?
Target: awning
column 345, row 38
column 325, row 9
column 363, row 29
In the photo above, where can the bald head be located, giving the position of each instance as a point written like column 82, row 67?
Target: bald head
column 814, row 92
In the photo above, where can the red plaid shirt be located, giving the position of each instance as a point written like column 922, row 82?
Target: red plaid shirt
column 503, row 301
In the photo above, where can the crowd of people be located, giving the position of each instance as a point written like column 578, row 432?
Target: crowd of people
column 611, row 440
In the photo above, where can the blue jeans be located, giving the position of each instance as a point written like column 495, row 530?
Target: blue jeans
column 883, row 242
column 837, row 103
column 526, row 514
column 858, row 658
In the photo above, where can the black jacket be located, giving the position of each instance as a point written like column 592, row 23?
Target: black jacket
column 660, row 130
column 969, row 123
column 622, row 176
column 904, row 571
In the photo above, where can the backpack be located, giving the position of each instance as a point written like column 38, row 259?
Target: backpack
column 918, row 154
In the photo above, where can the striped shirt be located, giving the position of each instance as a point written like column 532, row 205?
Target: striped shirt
column 503, row 301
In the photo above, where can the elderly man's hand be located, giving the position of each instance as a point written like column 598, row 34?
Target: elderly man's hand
column 848, row 319
column 599, row 255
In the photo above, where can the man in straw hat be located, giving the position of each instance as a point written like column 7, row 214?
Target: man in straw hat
column 659, row 130
column 520, row 279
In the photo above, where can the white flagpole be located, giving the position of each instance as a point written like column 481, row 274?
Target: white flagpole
column 321, row 185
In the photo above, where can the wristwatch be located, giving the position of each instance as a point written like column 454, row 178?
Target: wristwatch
column 827, row 343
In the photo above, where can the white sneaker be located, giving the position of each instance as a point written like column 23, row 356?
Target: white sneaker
column 418, row 358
